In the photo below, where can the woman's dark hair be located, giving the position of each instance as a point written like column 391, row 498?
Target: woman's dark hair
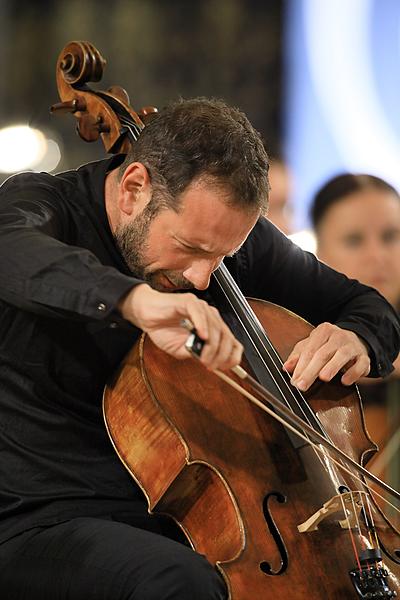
column 203, row 137
column 339, row 187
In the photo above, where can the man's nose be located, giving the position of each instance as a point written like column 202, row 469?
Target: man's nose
column 199, row 272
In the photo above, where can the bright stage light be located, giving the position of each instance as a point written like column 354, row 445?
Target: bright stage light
column 23, row 148
column 51, row 158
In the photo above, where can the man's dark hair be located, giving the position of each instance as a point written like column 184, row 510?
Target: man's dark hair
column 203, row 137
column 341, row 186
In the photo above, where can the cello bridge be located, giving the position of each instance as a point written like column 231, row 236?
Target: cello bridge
column 349, row 502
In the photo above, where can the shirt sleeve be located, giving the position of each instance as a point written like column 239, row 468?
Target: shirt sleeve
column 272, row 268
column 39, row 271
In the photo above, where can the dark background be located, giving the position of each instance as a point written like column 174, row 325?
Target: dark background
column 157, row 50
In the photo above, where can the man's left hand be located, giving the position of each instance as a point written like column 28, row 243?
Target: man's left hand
column 327, row 351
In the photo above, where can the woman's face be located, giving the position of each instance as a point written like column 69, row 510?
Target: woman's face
column 360, row 236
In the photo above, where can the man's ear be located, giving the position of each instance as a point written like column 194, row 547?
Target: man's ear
column 135, row 189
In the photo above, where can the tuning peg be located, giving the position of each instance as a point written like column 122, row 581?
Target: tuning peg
column 119, row 92
column 70, row 106
column 147, row 113
column 89, row 128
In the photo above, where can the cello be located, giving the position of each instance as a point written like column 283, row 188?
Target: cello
column 278, row 510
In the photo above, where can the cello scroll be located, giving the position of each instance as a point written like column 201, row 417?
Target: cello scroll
column 100, row 114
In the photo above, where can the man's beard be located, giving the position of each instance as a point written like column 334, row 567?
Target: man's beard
column 132, row 242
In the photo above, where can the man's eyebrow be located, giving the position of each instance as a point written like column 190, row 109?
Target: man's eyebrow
column 193, row 246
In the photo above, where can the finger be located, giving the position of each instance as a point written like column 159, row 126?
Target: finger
column 236, row 356
column 291, row 362
column 294, row 357
column 198, row 312
column 211, row 348
column 230, row 349
column 360, row 368
column 349, row 357
column 341, row 359
column 313, row 354
column 222, row 348
column 309, row 367
column 330, row 360
column 230, row 352
column 217, row 329
column 304, row 351
column 229, row 355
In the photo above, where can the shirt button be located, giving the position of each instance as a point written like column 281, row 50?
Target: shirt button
column 101, row 306
column 113, row 325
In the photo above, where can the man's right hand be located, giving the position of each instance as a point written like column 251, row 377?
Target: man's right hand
column 159, row 314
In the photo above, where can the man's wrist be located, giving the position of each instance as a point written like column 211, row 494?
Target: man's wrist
column 130, row 301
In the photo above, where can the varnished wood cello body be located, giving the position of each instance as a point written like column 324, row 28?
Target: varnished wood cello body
column 231, row 477
column 275, row 516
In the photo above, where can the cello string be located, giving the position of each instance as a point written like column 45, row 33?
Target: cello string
column 340, row 464
column 352, row 540
column 320, row 452
column 189, row 326
column 280, row 374
column 223, row 274
column 372, row 522
column 255, row 328
column 123, row 116
column 258, row 330
column 134, row 132
column 362, row 542
column 269, row 411
column 317, row 448
column 293, row 418
column 355, row 511
column 132, row 127
column 370, row 527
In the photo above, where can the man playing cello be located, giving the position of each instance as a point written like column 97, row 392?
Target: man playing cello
column 89, row 259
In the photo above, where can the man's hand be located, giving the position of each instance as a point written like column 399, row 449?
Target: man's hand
column 327, row 351
column 160, row 314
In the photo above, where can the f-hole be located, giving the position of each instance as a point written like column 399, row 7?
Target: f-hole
column 264, row 565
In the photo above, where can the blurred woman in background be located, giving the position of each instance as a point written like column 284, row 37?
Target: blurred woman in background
column 356, row 219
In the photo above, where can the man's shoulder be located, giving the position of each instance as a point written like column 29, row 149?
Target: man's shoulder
column 71, row 186
column 28, row 185
column 57, row 180
column 86, row 171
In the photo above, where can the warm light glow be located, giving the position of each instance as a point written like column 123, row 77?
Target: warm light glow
column 23, row 148
column 51, row 159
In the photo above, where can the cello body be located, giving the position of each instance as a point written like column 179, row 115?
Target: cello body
column 233, row 480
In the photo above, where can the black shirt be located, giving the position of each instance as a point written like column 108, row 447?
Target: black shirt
column 61, row 338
